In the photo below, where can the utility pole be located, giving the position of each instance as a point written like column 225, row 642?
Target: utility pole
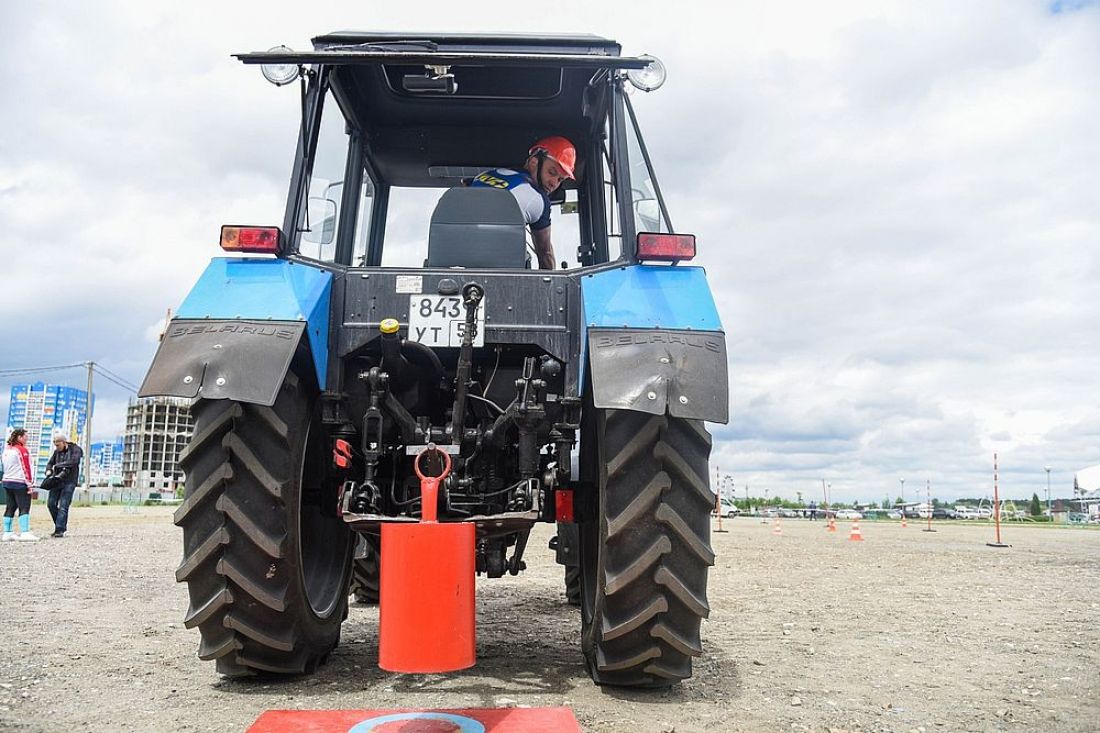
column 1049, row 513
column 88, row 437
column 903, row 523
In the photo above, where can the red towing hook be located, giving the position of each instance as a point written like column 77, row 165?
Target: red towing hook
column 426, row 584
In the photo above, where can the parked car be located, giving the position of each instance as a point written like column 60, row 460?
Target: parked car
column 848, row 514
column 894, row 514
column 944, row 513
column 729, row 509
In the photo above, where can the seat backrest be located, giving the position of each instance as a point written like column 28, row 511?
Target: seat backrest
column 477, row 227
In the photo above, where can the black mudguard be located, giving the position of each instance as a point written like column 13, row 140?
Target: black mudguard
column 230, row 359
column 651, row 370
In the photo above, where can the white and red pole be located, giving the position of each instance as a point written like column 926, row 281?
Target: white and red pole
column 928, row 499
column 718, row 496
column 996, row 507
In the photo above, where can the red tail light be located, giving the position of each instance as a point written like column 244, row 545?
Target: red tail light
column 563, row 505
column 665, row 246
column 264, row 240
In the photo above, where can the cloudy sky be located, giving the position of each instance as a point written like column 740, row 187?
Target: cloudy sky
column 897, row 203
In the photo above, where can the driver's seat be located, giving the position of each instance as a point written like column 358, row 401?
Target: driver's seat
column 477, row 227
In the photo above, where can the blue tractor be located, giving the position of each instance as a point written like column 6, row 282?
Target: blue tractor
column 399, row 307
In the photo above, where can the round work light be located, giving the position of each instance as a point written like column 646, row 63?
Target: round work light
column 280, row 74
column 649, row 78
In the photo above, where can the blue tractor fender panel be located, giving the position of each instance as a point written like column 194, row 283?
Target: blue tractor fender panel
column 239, row 325
column 649, row 296
column 654, row 342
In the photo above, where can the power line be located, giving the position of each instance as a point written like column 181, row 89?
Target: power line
column 127, row 387
column 108, row 372
column 39, row 370
column 99, row 368
column 111, row 376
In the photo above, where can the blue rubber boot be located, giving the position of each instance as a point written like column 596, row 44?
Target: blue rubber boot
column 7, row 524
column 24, row 523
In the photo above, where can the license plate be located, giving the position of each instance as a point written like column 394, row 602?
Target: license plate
column 440, row 320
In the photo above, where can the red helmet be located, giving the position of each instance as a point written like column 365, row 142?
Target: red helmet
column 560, row 149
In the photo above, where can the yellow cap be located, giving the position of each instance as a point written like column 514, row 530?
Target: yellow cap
column 389, row 325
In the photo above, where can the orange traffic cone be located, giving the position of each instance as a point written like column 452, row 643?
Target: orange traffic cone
column 832, row 524
column 903, row 524
column 777, row 530
column 855, row 535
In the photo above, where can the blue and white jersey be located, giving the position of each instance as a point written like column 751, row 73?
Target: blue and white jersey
column 533, row 202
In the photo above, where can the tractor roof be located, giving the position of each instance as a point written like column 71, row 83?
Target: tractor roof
column 474, row 42
column 358, row 48
column 512, row 90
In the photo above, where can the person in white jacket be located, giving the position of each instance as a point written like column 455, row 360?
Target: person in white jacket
column 18, row 479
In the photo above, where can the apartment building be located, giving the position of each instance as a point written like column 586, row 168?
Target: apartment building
column 157, row 430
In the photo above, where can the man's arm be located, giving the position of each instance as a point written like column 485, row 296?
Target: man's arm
column 544, row 248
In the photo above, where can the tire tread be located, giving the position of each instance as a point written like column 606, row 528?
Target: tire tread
column 655, row 551
column 239, row 562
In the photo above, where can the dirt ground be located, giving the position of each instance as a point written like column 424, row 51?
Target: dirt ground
column 906, row 631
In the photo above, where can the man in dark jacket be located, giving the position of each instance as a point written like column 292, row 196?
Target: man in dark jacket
column 64, row 467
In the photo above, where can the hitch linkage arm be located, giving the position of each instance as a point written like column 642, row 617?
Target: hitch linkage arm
column 382, row 404
column 472, row 294
column 527, row 413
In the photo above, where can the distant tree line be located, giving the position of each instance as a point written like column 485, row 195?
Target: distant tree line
column 1034, row 506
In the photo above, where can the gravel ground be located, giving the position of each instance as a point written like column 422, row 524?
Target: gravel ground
column 907, row 631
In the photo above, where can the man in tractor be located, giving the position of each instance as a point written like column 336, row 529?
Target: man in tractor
column 550, row 161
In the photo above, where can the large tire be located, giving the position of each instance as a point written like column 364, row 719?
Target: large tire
column 573, row 585
column 364, row 573
column 565, row 544
column 646, row 552
column 265, row 557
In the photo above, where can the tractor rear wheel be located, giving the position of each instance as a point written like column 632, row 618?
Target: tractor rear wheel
column 364, row 571
column 265, row 556
column 645, row 551
column 566, row 553
column 573, row 585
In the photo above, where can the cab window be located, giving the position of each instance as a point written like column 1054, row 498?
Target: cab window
column 319, row 221
column 409, row 215
column 644, row 202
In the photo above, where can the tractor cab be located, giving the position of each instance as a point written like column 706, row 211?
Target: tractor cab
column 394, row 127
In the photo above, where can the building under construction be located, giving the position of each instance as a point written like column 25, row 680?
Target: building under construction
column 157, row 430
